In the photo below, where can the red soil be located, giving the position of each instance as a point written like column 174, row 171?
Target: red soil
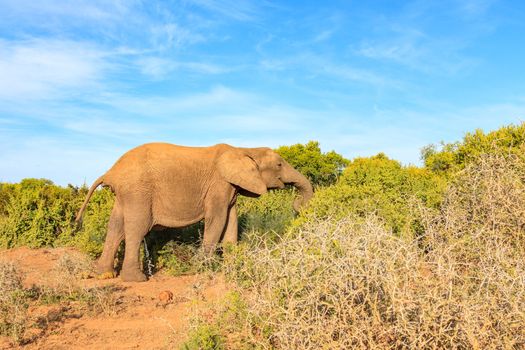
column 142, row 321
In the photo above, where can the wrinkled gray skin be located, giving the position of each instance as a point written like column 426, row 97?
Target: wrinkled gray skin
column 164, row 185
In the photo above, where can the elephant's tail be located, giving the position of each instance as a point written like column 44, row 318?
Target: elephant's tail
column 78, row 219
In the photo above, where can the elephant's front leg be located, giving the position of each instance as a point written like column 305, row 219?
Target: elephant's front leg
column 214, row 225
column 230, row 233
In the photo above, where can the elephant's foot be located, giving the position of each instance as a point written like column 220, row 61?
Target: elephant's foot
column 209, row 249
column 132, row 275
column 106, row 275
column 105, row 271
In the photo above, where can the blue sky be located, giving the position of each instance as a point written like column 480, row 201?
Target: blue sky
column 81, row 81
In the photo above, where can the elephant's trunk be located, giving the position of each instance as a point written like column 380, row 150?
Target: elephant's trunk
column 295, row 178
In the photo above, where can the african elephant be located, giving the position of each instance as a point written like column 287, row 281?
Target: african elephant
column 165, row 185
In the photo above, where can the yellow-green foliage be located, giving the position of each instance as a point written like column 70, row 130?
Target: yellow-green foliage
column 452, row 157
column 378, row 185
column 272, row 211
column 5, row 193
column 225, row 330
column 37, row 213
column 321, row 168
column 90, row 238
column 204, row 337
column 182, row 258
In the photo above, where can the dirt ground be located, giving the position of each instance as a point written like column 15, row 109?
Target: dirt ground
column 143, row 319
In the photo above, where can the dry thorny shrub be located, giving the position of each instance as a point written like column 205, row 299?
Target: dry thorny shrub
column 65, row 276
column 13, row 302
column 353, row 284
column 487, row 198
column 63, row 284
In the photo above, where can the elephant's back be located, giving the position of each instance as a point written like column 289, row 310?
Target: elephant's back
column 162, row 154
column 150, row 163
column 161, row 150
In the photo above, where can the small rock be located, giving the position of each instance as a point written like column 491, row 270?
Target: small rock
column 165, row 297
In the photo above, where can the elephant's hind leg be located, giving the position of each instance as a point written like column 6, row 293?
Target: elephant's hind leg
column 115, row 235
column 137, row 223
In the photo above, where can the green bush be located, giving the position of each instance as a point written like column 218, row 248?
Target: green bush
column 38, row 212
column 204, row 337
column 6, row 191
column 272, row 211
column 451, row 157
column 91, row 236
column 320, row 168
column 223, row 326
column 382, row 186
column 177, row 258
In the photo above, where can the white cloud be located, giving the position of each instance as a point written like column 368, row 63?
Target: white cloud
column 106, row 127
column 153, row 25
column 35, row 69
column 218, row 97
column 238, row 10
column 414, row 49
column 161, row 68
column 357, row 74
column 474, row 8
column 68, row 10
column 169, row 35
column 323, row 36
column 315, row 65
column 259, row 116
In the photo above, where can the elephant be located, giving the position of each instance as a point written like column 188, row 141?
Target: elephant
column 166, row 185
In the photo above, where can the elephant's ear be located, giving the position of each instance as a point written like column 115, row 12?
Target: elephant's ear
column 239, row 169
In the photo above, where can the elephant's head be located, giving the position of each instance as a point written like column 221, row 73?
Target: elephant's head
column 257, row 170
